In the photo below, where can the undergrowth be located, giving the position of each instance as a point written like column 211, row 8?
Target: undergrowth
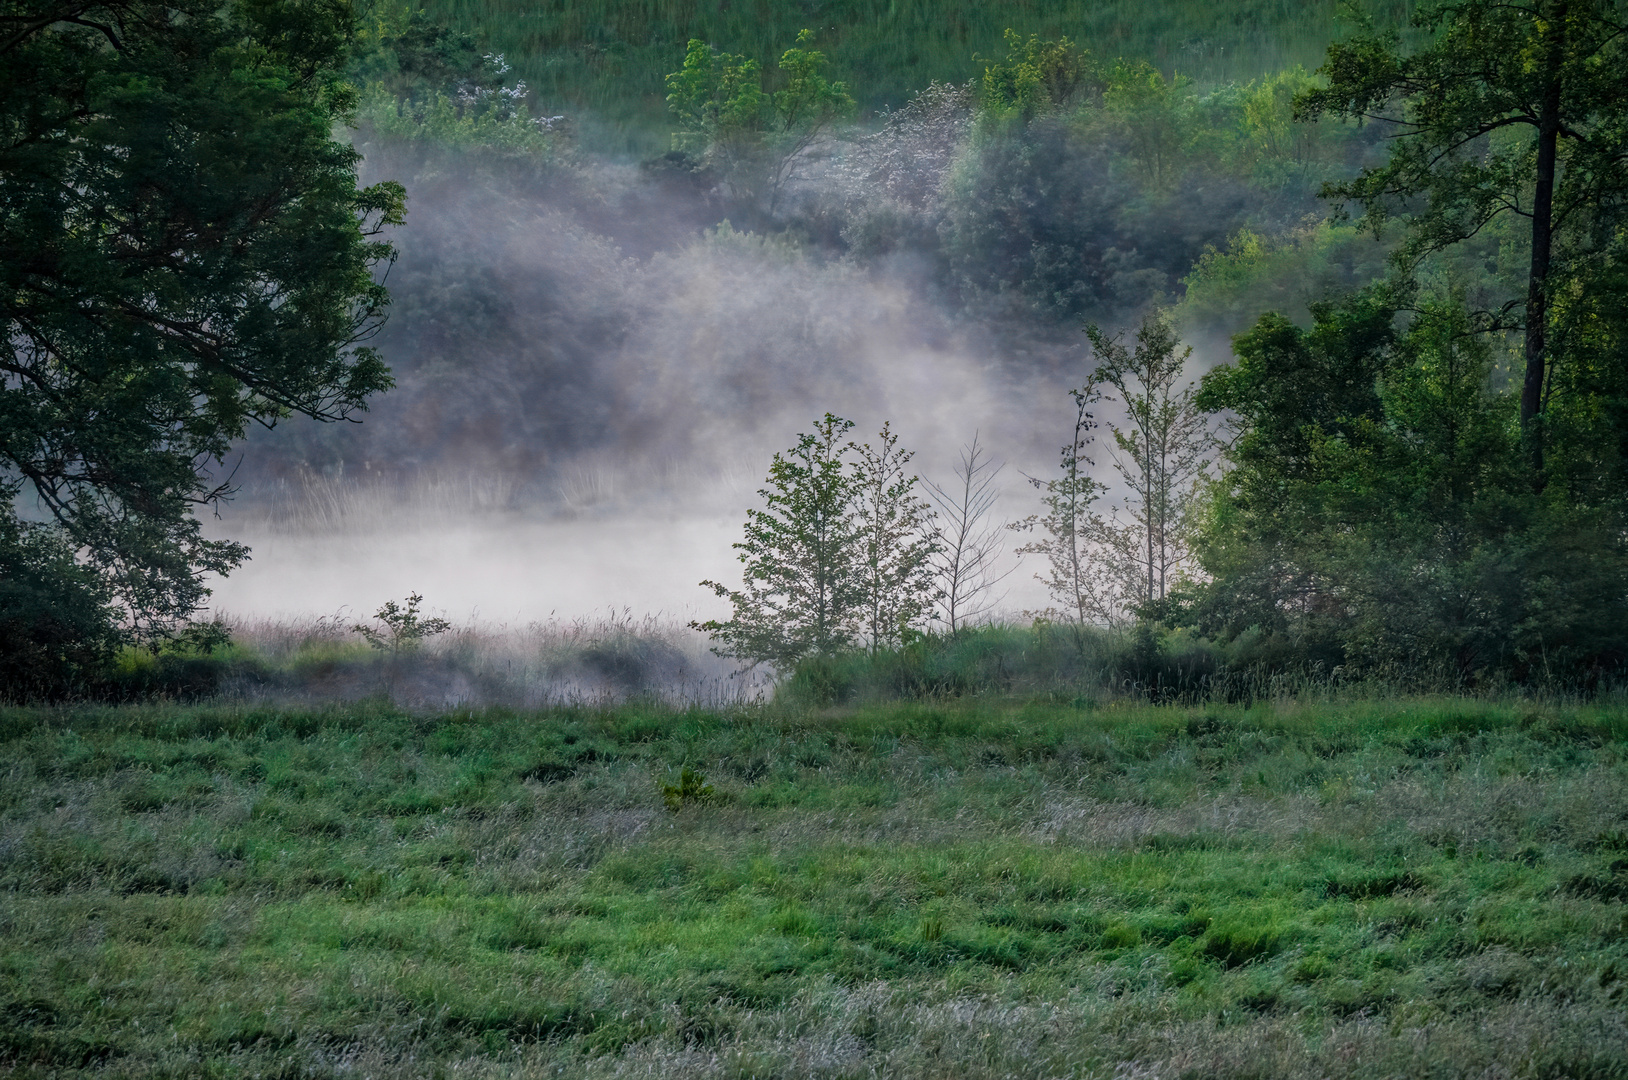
column 1064, row 662
column 312, row 662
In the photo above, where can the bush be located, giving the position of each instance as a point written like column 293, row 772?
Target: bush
column 1051, row 659
column 57, row 623
column 1039, row 659
column 174, row 674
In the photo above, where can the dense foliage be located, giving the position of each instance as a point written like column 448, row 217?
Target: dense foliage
column 1412, row 491
column 1379, row 513
column 180, row 257
column 840, row 552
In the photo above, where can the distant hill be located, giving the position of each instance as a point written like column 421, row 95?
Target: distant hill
column 605, row 60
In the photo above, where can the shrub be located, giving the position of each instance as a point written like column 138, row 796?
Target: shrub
column 692, row 787
column 57, row 622
column 1146, row 661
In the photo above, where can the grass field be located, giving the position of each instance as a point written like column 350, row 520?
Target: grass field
column 1420, row 888
column 608, row 58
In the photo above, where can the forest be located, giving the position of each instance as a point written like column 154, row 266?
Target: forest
column 1113, row 517
column 1379, row 302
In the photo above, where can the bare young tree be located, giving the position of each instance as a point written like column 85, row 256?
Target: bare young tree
column 1159, row 455
column 1074, row 578
column 970, row 541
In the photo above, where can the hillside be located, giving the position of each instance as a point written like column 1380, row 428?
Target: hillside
column 608, row 58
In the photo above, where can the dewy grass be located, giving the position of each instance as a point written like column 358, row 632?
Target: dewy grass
column 1417, row 887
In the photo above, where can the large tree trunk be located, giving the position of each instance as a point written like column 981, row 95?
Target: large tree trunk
column 1537, row 295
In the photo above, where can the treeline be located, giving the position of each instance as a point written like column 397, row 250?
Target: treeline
column 1428, row 483
column 608, row 59
column 1420, row 459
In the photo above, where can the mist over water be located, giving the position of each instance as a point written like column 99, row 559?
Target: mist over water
column 491, row 571
column 591, row 384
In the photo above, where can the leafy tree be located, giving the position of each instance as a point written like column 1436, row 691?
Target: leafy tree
column 183, row 252
column 841, row 551
column 752, row 136
column 1153, row 117
column 1159, row 455
column 801, row 593
column 1072, row 577
column 719, row 99
column 970, row 548
column 897, row 542
column 1374, row 515
column 1275, row 147
column 1512, row 109
column 1037, row 76
column 1291, row 393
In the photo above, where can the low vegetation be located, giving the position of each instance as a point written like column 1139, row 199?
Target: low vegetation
column 1052, row 888
column 324, row 662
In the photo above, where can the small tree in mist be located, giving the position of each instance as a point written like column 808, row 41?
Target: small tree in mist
column 719, row 99
column 969, row 541
column 801, row 590
column 1073, row 579
column 1160, row 456
column 401, row 628
column 897, row 542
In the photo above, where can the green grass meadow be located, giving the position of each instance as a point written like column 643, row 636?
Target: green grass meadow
column 977, row 889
